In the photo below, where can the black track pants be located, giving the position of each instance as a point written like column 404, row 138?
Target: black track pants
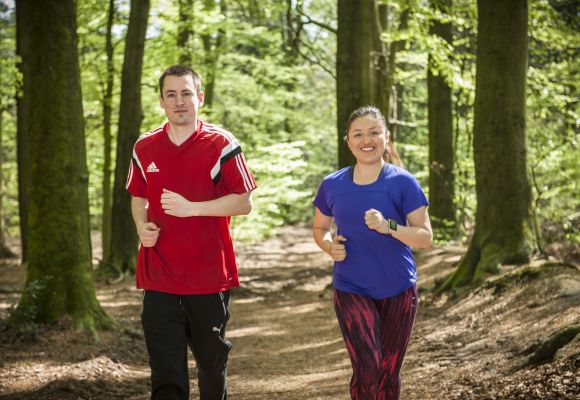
column 171, row 323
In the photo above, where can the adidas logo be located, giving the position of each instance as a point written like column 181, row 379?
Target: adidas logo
column 152, row 168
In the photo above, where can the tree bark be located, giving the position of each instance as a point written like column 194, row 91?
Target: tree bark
column 185, row 32
column 441, row 151
column 353, row 66
column 59, row 279
column 107, row 137
column 123, row 235
column 503, row 224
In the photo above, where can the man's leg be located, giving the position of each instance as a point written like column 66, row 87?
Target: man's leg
column 397, row 319
column 165, row 331
column 358, row 319
column 208, row 315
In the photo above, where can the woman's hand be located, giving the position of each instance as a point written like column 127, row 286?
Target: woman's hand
column 375, row 221
column 337, row 249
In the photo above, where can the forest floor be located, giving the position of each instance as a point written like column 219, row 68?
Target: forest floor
column 286, row 341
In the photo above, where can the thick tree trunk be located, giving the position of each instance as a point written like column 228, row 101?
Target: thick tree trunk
column 59, row 279
column 503, row 224
column 107, row 137
column 441, row 152
column 185, row 32
column 353, row 66
column 123, row 235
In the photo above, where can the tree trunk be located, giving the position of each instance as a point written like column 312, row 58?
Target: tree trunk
column 353, row 66
column 503, row 223
column 185, row 32
column 22, row 148
column 212, row 50
column 107, row 138
column 59, row 279
column 441, row 152
column 396, row 96
column 382, row 76
column 123, row 235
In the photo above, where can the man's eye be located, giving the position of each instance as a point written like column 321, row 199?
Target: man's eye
column 187, row 94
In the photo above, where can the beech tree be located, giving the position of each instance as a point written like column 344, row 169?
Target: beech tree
column 441, row 151
column 59, row 276
column 107, row 136
column 123, row 246
column 353, row 66
column 503, row 222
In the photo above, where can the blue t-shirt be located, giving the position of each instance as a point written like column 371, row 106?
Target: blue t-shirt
column 376, row 265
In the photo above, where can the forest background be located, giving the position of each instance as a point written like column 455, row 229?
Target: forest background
column 269, row 70
column 283, row 76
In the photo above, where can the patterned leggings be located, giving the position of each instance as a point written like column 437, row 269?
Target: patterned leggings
column 376, row 334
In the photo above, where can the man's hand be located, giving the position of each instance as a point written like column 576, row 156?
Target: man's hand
column 148, row 234
column 337, row 250
column 175, row 204
column 375, row 221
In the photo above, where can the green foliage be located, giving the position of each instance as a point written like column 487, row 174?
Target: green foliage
column 25, row 316
column 281, row 103
column 9, row 83
column 552, row 104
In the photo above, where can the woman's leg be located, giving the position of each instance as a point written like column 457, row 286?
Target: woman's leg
column 397, row 319
column 360, row 325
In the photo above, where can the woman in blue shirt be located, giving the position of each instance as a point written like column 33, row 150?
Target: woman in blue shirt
column 380, row 212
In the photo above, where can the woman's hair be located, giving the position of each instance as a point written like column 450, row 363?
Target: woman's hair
column 390, row 154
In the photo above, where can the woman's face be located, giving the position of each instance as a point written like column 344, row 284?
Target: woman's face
column 367, row 139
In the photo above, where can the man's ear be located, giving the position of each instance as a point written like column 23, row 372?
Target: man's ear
column 201, row 97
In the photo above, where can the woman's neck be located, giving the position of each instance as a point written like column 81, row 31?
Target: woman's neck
column 365, row 174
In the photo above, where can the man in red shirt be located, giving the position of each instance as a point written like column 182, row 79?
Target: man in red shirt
column 187, row 179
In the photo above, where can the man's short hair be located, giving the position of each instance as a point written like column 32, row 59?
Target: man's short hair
column 180, row 70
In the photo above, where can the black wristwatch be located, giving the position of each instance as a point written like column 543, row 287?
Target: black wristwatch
column 392, row 225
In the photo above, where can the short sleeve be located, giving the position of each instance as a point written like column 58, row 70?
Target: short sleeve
column 236, row 175
column 413, row 196
column 136, row 183
column 321, row 202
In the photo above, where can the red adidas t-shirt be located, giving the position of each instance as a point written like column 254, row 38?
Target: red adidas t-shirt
column 193, row 255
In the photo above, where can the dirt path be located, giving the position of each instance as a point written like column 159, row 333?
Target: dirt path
column 286, row 342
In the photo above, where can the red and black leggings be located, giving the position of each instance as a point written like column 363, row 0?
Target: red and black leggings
column 376, row 334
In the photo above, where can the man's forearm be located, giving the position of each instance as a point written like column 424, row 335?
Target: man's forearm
column 225, row 206
column 139, row 211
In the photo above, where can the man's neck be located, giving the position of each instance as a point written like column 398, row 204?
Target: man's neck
column 180, row 133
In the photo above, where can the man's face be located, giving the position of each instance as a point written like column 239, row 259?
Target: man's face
column 180, row 100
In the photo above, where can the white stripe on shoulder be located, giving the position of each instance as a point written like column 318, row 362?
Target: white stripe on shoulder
column 214, row 129
column 225, row 151
column 130, row 175
column 245, row 177
column 150, row 133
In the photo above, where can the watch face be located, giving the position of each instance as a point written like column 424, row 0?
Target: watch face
column 392, row 224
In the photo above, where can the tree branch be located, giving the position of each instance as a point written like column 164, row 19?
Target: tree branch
column 317, row 23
